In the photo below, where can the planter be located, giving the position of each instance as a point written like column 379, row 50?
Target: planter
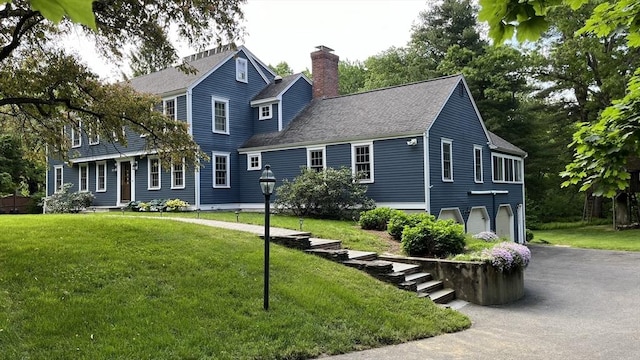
column 475, row 282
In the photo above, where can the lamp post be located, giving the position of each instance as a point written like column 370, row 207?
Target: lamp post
column 267, row 184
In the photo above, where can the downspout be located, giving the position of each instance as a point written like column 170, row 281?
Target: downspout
column 427, row 172
column 280, row 105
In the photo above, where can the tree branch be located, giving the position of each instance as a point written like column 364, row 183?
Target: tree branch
column 21, row 28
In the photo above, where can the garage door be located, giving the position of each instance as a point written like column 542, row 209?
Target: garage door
column 453, row 214
column 478, row 221
column 504, row 222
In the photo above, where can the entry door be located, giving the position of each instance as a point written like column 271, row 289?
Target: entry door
column 125, row 182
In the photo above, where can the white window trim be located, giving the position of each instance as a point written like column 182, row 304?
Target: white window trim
column 324, row 156
column 504, row 169
column 184, row 177
column 98, row 164
column 450, row 143
column 228, row 175
column 86, row 181
column 259, row 167
column 90, row 135
column 475, row 165
column 371, row 161
column 175, row 106
column 263, row 117
column 242, row 66
column 149, row 186
column 213, row 115
column 76, row 134
column 57, row 189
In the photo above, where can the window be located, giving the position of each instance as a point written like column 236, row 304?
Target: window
column 94, row 138
column 83, row 178
column 477, row 164
column 220, row 170
column 153, row 174
column 447, row 160
column 315, row 159
column 265, row 112
column 506, row 169
column 362, row 161
column 220, row 116
column 241, row 69
column 101, row 177
column 57, row 178
column 76, row 136
column 254, row 162
column 169, row 108
column 177, row 175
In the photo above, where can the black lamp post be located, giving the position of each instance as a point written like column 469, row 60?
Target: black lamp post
column 267, row 184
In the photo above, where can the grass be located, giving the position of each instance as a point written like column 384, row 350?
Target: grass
column 103, row 287
column 348, row 232
column 590, row 237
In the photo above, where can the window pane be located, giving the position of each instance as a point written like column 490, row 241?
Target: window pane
column 178, row 175
column 478, row 163
column 221, row 171
column 497, row 168
column 170, row 108
column 316, row 160
column 254, row 162
column 102, row 177
column 154, row 173
column 220, row 116
column 363, row 164
column 446, row 161
column 84, row 179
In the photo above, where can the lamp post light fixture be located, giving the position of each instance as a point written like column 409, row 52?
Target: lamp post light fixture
column 301, row 220
column 237, row 215
column 267, row 184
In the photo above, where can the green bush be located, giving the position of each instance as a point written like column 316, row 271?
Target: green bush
column 438, row 238
column 66, row 202
column 400, row 219
column 328, row 194
column 529, row 235
column 377, row 219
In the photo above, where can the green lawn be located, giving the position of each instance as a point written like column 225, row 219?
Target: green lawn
column 348, row 232
column 104, row 287
column 591, row 237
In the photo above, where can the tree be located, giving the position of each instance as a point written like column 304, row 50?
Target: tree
column 282, row 68
column 152, row 57
column 601, row 150
column 44, row 89
column 352, row 77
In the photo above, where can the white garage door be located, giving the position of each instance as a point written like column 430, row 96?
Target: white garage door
column 453, row 214
column 504, row 222
column 478, row 221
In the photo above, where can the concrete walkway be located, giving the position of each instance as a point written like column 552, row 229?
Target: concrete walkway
column 578, row 304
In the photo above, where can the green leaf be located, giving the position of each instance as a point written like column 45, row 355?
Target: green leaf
column 576, row 4
column 633, row 39
column 532, row 29
column 79, row 11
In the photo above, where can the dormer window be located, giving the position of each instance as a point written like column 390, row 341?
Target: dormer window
column 265, row 112
column 169, row 108
column 241, row 69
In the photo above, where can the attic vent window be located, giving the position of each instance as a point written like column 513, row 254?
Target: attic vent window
column 265, row 112
column 241, row 69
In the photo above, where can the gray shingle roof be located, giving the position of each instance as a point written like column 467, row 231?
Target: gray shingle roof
column 172, row 79
column 274, row 89
column 400, row 110
column 505, row 146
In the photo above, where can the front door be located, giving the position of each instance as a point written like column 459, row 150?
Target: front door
column 125, row 182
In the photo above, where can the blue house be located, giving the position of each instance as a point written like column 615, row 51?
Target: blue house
column 422, row 146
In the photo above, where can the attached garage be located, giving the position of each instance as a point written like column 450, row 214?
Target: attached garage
column 504, row 222
column 451, row 213
column 478, row 220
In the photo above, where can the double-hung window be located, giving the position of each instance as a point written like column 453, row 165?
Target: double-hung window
column 266, row 112
column 177, row 175
column 58, row 178
column 94, row 138
column 101, row 176
column 221, row 170
column 241, row 69
column 220, row 110
column 169, row 108
column 76, row 135
column 83, row 179
column 316, row 159
column 446, row 146
column 362, row 161
column 153, row 178
column 254, row 161
column 477, row 164
column 506, row 169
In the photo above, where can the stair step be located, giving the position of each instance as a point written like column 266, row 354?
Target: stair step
column 362, row 255
column 408, row 269
column 442, row 296
column 325, row 244
column 418, row 277
column 430, row 286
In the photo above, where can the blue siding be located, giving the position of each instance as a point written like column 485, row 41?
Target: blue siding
column 338, row 156
column 165, row 192
column 294, row 100
column 285, row 164
column 181, row 107
column 267, row 125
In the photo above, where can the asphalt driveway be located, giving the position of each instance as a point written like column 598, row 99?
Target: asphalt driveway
column 578, row 304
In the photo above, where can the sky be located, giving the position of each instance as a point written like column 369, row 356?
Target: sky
column 289, row 30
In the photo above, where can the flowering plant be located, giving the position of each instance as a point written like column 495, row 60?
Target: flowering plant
column 487, row 236
column 506, row 256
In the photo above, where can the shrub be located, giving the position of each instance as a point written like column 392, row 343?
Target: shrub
column 529, row 235
column 377, row 219
column 66, row 202
column 176, row 204
column 507, row 256
column 331, row 194
column 400, row 219
column 438, row 238
column 488, row 236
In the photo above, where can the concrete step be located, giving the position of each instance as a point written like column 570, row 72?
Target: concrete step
column 362, row 255
column 418, row 277
column 325, row 244
column 441, row 296
column 429, row 286
column 407, row 269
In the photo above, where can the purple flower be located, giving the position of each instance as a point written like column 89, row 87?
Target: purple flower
column 487, row 236
column 508, row 255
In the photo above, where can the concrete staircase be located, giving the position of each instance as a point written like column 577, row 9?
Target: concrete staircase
column 405, row 276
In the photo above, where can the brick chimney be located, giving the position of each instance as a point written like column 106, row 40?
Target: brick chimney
column 324, row 69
